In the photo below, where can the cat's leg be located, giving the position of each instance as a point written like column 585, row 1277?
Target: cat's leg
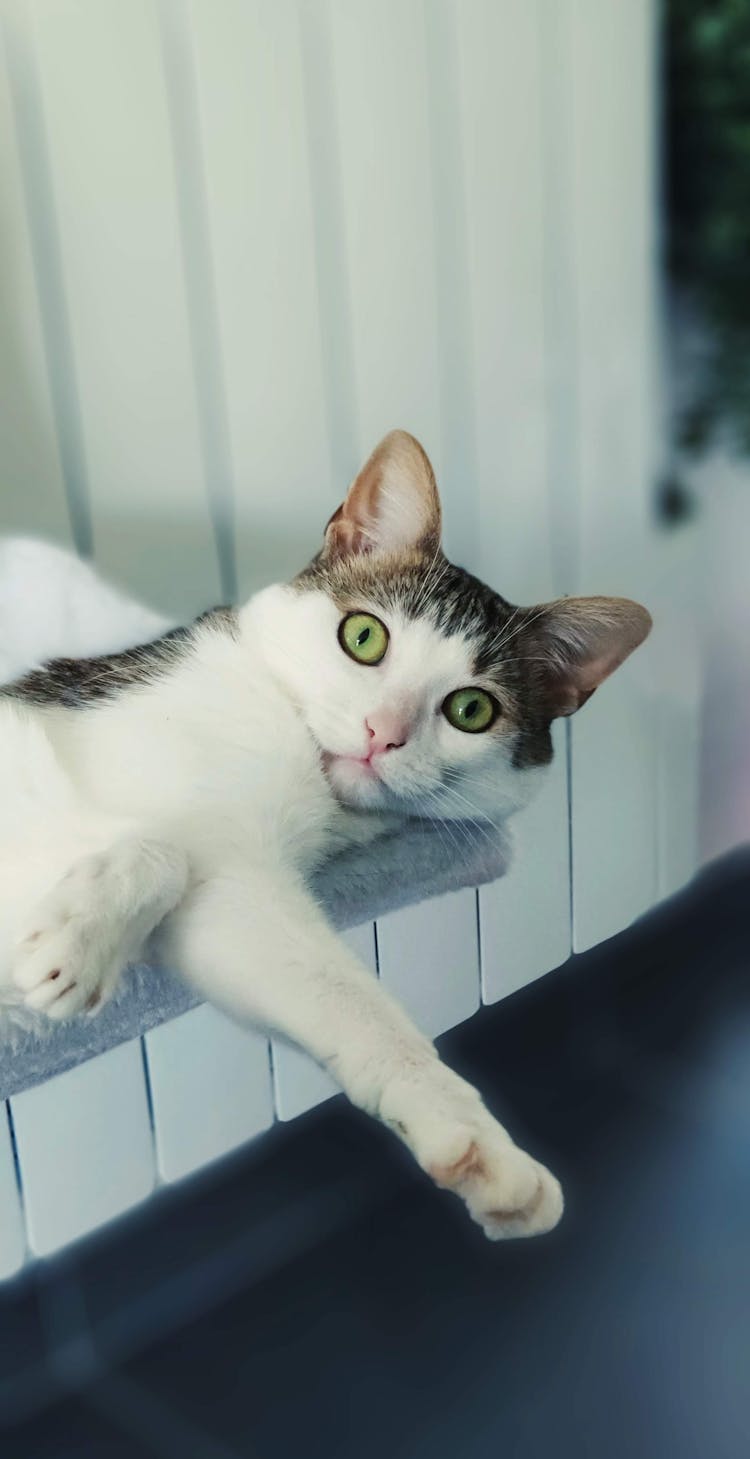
column 81, row 936
column 262, row 950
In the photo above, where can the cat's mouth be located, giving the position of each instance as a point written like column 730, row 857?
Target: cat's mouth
column 363, row 767
column 353, row 779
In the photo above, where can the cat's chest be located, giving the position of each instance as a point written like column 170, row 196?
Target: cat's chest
column 225, row 785
column 267, row 801
column 288, row 802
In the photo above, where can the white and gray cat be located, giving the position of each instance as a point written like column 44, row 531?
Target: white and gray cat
column 177, row 796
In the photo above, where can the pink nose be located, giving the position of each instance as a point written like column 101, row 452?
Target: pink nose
column 387, row 731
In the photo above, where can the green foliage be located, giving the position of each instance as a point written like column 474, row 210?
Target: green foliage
column 707, row 57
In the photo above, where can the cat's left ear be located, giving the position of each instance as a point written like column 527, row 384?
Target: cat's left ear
column 581, row 641
column 392, row 506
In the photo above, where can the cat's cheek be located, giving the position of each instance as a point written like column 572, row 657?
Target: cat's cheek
column 337, row 727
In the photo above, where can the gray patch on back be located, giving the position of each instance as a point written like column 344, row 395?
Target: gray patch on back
column 78, row 683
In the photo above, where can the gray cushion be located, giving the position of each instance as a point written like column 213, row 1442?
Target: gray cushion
column 353, row 887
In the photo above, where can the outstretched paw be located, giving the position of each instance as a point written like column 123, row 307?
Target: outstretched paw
column 463, row 1149
column 507, row 1192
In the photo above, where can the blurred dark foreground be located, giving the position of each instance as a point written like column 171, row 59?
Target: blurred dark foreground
column 314, row 1296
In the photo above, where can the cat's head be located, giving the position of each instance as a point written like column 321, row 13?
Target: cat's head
column 425, row 690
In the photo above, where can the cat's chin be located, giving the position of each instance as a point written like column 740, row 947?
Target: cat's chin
column 355, row 783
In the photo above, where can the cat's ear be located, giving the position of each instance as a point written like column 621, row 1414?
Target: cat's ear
column 392, row 506
column 581, row 641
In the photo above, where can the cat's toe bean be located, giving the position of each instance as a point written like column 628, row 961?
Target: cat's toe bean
column 507, row 1192
column 65, row 972
column 46, row 994
column 526, row 1207
column 36, row 963
column 83, row 989
column 69, row 1004
column 66, row 1004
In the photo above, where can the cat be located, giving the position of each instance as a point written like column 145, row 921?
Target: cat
column 175, row 797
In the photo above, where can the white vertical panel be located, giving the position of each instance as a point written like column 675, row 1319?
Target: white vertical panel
column 12, row 1242
column 501, row 123
column 429, row 958
column 84, row 1147
column 210, row 1088
column 105, row 112
column 525, row 916
column 381, row 88
column 299, row 1082
column 32, row 496
column 255, row 147
column 457, row 463
column 610, row 124
column 612, row 138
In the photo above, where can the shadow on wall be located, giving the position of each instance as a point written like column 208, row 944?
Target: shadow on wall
column 32, row 495
column 164, row 570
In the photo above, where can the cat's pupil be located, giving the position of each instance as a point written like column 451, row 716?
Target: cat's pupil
column 471, row 708
column 363, row 636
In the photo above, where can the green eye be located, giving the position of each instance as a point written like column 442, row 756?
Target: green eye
column 471, row 710
column 363, row 637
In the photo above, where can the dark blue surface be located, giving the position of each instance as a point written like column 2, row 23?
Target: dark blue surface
column 317, row 1297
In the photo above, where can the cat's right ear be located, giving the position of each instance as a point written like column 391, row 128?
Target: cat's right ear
column 391, row 507
column 581, row 641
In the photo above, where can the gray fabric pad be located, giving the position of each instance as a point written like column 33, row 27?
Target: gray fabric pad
column 423, row 860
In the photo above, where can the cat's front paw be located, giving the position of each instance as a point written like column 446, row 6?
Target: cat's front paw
column 62, row 971
column 464, row 1149
column 506, row 1191
column 68, row 960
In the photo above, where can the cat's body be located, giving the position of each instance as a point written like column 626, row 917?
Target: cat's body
column 210, row 757
column 180, row 795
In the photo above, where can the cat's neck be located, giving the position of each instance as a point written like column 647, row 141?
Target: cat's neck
column 214, row 712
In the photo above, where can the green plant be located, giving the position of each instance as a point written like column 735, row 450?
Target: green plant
column 707, row 62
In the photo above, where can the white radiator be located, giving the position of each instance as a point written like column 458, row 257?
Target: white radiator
column 240, row 240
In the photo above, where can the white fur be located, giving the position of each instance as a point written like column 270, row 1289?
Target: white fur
column 53, row 605
column 191, row 810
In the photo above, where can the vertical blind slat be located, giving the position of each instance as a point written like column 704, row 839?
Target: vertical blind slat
column 40, row 486
column 105, row 104
column 614, row 739
column 250, row 95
